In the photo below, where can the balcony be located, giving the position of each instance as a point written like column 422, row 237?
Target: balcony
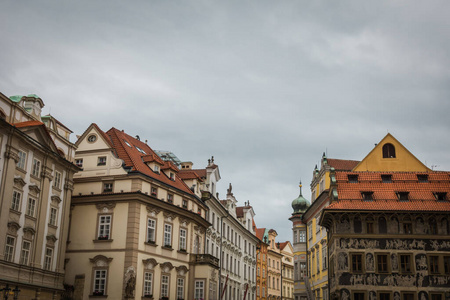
column 205, row 259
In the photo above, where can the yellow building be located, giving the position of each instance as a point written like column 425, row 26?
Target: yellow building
column 317, row 284
column 137, row 230
column 36, row 186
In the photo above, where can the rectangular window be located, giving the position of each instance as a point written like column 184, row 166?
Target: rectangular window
column 324, row 257
column 107, row 187
column 357, row 263
column 352, row 178
column 386, row 178
column 170, row 198
column 367, row 196
column 407, row 296
column 31, row 208
column 104, row 227
column 101, row 161
column 382, row 263
column 437, row 297
column 57, row 180
column 369, row 227
column 183, row 239
column 167, row 235
column 405, row 263
column 9, row 248
column 99, row 282
column 164, row 286
column 403, row 196
column 180, row 288
column 447, row 265
column 15, row 203
column 434, row 264
column 36, row 170
column 199, row 290
column 151, row 230
column 440, row 196
column 148, row 284
column 53, row 216
column 407, row 228
column 79, row 162
column 302, row 237
column 48, row 258
column 422, row 177
column 154, row 191
column 358, row 296
column 384, row 296
column 25, row 253
column 184, row 204
column 22, row 159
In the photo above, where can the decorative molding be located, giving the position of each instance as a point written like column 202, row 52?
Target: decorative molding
column 150, row 263
column 18, row 180
column 101, row 260
column 169, row 216
column 152, row 210
column 184, row 222
column 35, row 189
column 13, row 227
column 68, row 185
column 11, row 154
column 56, row 199
column 181, row 270
column 29, row 232
column 105, row 207
column 51, row 239
column 166, row 267
column 47, row 173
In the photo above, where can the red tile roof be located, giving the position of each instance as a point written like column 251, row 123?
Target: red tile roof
column 260, row 233
column 134, row 158
column 188, row 174
column 200, row 172
column 28, row 124
column 421, row 195
column 342, row 164
column 282, row 245
column 240, row 211
column 169, row 165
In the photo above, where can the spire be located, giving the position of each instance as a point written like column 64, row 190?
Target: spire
column 300, row 186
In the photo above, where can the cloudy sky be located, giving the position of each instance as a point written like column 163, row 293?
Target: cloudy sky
column 264, row 86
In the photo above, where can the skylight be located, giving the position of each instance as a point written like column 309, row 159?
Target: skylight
column 128, row 144
column 140, row 150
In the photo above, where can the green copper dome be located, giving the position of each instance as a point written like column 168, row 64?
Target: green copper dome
column 300, row 205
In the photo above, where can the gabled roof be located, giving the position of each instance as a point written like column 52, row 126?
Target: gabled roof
column 421, row 195
column 260, row 233
column 240, row 210
column 41, row 126
column 342, row 164
column 200, row 172
column 189, row 174
column 134, row 158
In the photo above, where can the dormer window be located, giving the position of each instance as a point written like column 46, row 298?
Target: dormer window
column 386, row 178
column 440, row 196
column 422, row 177
column 403, row 196
column 388, row 151
column 352, row 178
column 101, row 161
column 367, row 196
column 156, row 169
column 172, row 176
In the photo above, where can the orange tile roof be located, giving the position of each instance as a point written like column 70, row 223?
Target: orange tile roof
column 282, row 245
column 28, row 124
column 260, row 233
column 134, row 158
column 169, row 165
column 188, row 174
column 152, row 158
column 342, row 164
column 420, row 194
column 200, row 172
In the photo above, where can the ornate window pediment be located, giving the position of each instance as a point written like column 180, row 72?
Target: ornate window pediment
column 51, row 239
column 101, row 260
column 150, row 263
column 18, row 181
column 56, row 199
column 152, row 210
column 34, row 189
column 166, row 267
column 181, row 270
column 106, row 207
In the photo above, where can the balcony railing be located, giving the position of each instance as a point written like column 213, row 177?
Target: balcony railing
column 205, row 259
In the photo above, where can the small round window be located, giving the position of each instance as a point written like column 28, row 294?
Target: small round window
column 92, row 138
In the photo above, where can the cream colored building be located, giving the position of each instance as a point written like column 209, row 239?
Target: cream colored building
column 137, row 230
column 36, row 186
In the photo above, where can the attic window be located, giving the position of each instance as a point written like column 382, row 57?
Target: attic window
column 386, row 178
column 128, row 144
column 92, row 138
column 403, row 196
column 441, row 196
column 140, row 150
column 170, row 198
column 79, row 162
column 156, row 168
column 388, row 151
column 352, row 178
column 154, row 191
column 101, row 161
column 367, row 196
column 422, row 177
column 172, row 176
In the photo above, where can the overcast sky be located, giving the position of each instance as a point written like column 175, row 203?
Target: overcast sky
column 264, row 86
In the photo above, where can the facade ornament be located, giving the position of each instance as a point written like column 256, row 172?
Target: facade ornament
column 105, row 207
column 153, row 210
column 130, row 281
column 184, row 222
column 68, row 185
column 34, row 189
column 11, row 153
column 169, row 216
column 29, row 232
column 181, row 270
column 369, row 262
column 166, row 267
column 18, row 181
column 51, row 239
column 47, row 173
column 150, row 263
column 13, row 227
column 101, row 260
column 56, row 199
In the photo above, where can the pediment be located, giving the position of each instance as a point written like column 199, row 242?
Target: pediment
column 93, row 139
column 41, row 135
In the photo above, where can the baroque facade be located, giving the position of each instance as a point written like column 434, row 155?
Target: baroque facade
column 388, row 228
column 137, row 230
column 36, row 186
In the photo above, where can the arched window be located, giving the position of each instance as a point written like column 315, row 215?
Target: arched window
column 357, row 225
column 388, row 151
column 382, row 226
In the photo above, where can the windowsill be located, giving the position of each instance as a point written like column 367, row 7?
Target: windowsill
column 30, row 217
column 35, row 177
column 182, row 251
column 101, row 164
column 167, row 248
column 56, row 188
column 52, row 226
column 100, row 296
column 151, row 244
column 103, row 241
column 15, row 211
column 21, row 170
column 147, row 297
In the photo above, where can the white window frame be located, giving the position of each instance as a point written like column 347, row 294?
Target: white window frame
column 15, row 203
column 151, row 230
column 180, row 288
column 107, row 187
column 302, row 236
column 25, row 253
column 36, row 170
column 31, row 207
column 57, row 180
column 48, row 258
column 199, row 291
column 10, row 246
column 101, row 161
column 104, row 226
column 183, row 236
column 100, row 277
column 167, row 235
column 53, row 216
column 165, row 283
column 22, row 159
column 79, row 162
column 148, row 283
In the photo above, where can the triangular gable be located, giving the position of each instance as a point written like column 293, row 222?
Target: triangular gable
column 287, row 247
column 38, row 132
column 102, row 141
column 404, row 161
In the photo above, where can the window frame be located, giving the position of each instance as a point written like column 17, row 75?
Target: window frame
column 101, row 237
column 200, row 289
column 434, row 268
column 53, row 216
column 31, row 207
column 411, row 265
column 361, row 270
column 10, row 248
column 108, row 187
column 48, row 259
column 386, row 263
column 25, row 253
column 180, row 288
column 149, row 229
column 165, row 287
column 22, row 163
column 57, row 180
column 147, row 284
column 168, row 235
column 101, row 281
column 16, row 201
column 183, row 240
column 101, row 161
column 36, row 168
